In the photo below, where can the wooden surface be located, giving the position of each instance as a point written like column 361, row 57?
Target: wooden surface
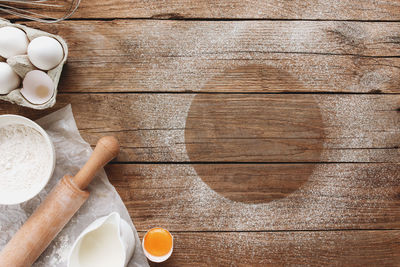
column 238, row 9
column 368, row 248
column 258, row 132
column 230, row 56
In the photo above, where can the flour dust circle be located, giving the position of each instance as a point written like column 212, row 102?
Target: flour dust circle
column 254, row 148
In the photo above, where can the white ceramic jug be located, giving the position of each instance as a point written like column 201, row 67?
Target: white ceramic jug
column 106, row 242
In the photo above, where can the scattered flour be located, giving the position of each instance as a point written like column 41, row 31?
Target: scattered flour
column 356, row 126
column 358, row 129
column 24, row 161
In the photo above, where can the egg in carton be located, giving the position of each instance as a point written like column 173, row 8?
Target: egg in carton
column 22, row 66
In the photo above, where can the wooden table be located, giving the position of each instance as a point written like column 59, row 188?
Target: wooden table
column 258, row 132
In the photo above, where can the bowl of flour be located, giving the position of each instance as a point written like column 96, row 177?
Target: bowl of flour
column 27, row 159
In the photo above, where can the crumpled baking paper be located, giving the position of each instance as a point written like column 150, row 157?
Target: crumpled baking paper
column 72, row 152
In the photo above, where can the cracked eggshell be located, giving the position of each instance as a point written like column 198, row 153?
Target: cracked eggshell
column 37, row 87
column 22, row 66
column 9, row 80
column 13, row 41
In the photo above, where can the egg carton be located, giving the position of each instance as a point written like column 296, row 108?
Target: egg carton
column 21, row 65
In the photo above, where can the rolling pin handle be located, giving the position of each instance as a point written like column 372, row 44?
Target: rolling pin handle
column 106, row 149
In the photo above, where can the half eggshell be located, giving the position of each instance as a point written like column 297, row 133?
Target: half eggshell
column 37, row 87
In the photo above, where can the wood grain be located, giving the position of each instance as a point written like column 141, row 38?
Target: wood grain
column 341, row 248
column 237, row 9
column 214, row 168
column 240, row 56
column 256, row 127
column 335, row 196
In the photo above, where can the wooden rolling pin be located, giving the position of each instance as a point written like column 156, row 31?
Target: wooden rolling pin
column 56, row 210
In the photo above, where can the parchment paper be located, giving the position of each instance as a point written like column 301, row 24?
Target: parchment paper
column 72, row 152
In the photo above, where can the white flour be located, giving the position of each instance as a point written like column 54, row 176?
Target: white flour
column 25, row 160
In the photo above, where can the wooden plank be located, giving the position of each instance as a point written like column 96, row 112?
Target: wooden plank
column 347, row 248
column 220, row 56
column 239, row 127
column 237, row 9
column 185, row 197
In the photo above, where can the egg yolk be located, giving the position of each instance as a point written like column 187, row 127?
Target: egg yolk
column 158, row 242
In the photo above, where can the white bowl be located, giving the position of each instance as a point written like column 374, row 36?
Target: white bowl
column 15, row 119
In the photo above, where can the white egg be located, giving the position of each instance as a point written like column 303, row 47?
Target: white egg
column 13, row 42
column 45, row 52
column 9, row 80
column 38, row 87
